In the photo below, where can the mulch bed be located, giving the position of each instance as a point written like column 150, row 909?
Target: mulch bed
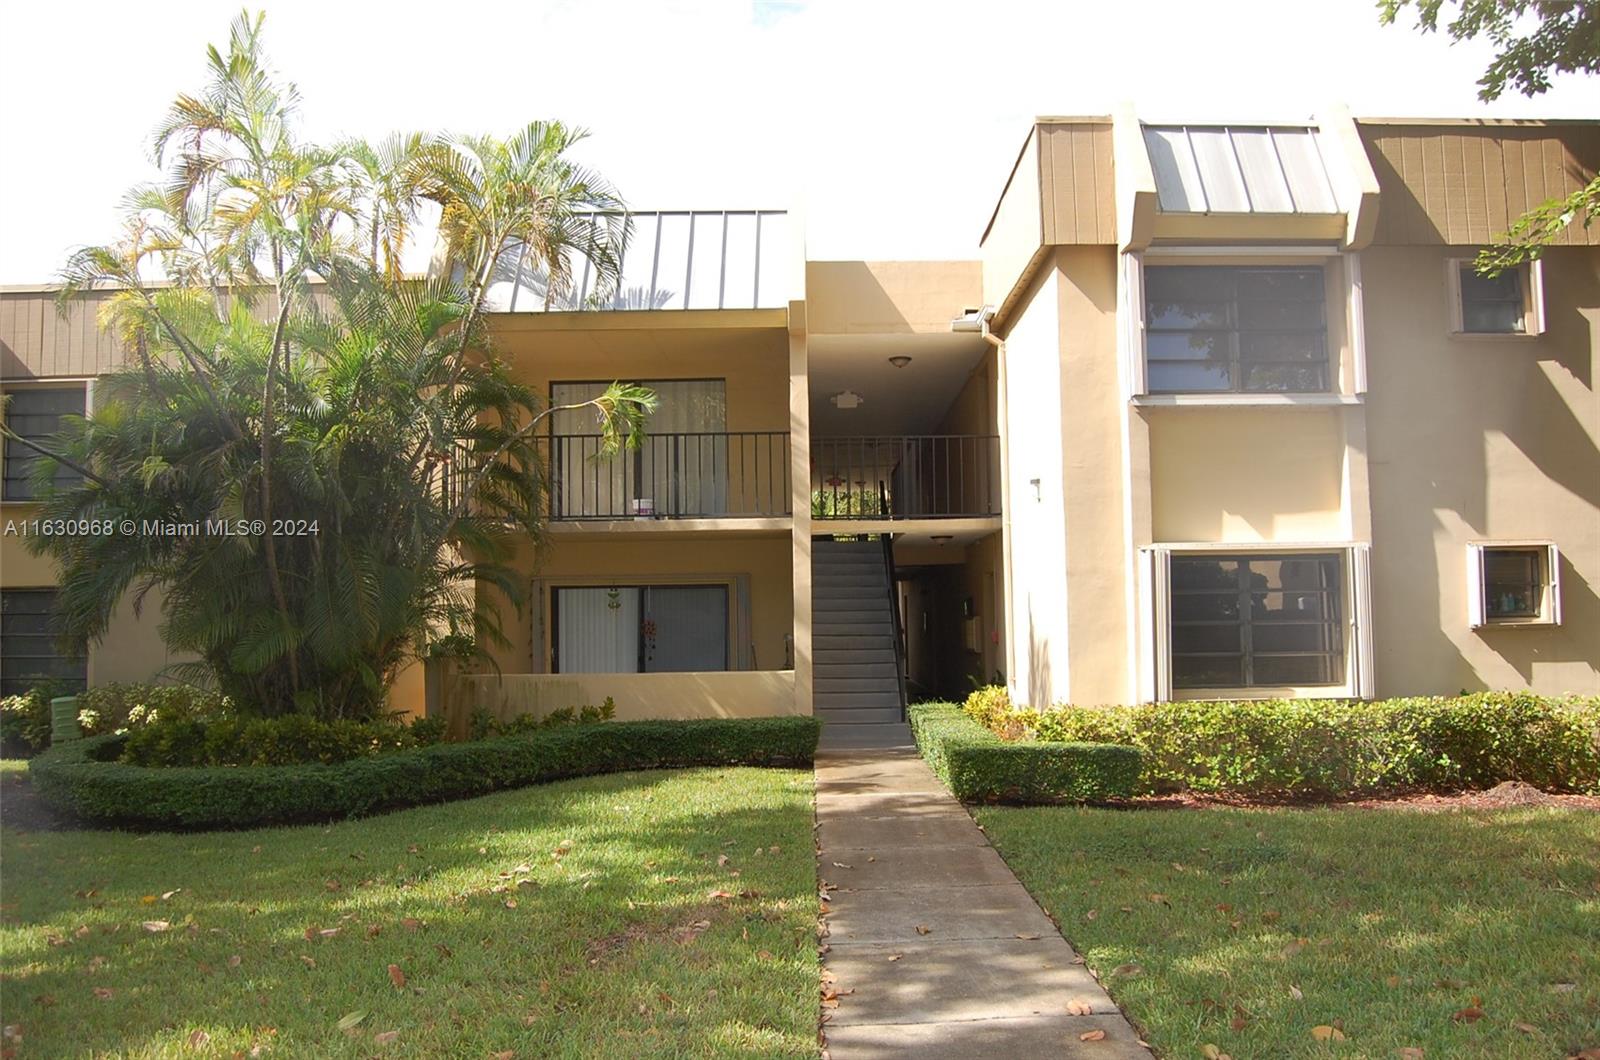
column 1513, row 794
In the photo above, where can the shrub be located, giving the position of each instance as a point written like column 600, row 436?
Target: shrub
column 115, row 707
column 25, row 721
column 1337, row 748
column 83, row 778
column 978, row 766
column 988, row 705
column 428, row 731
column 294, row 739
column 483, row 724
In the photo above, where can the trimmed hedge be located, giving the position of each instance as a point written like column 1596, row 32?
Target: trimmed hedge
column 977, row 766
column 82, row 778
column 1339, row 748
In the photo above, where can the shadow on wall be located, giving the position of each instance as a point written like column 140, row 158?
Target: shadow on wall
column 1040, row 685
column 1526, row 395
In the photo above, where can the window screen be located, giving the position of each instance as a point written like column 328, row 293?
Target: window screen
column 1262, row 620
column 1244, row 329
column 35, row 414
column 1492, row 305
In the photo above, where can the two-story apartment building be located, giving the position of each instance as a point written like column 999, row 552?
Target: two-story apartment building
column 1216, row 411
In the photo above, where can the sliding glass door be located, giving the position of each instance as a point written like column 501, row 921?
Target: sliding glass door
column 640, row 629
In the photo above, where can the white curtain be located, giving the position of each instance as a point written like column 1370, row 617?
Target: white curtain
column 598, row 631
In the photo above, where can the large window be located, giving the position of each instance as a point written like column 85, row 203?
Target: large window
column 28, row 652
column 35, row 414
column 1225, row 328
column 629, row 629
column 1247, row 621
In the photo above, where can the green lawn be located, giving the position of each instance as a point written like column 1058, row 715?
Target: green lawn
column 664, row 914
column 1250, row 928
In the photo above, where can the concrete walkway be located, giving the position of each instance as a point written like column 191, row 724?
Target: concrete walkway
column 933, row 947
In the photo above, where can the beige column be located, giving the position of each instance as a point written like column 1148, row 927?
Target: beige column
column 800, row 500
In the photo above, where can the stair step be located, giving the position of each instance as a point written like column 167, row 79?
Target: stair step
column 864, row 736
column 852, row 655
column 859, row 715
column 877, row 633
column 869, row 670
column 825, row 701
column 848, row 589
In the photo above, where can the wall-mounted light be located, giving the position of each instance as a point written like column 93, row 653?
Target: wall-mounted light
column 900, row 360
column 846, row 399
column 943, row 539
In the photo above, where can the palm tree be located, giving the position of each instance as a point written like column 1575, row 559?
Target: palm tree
column 302, row 407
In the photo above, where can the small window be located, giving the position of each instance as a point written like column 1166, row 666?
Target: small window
column 29, row 653
column 1238, row 329
column 1514, row 584
column 1507, row 304
column 1266, row 620
column 35, row 413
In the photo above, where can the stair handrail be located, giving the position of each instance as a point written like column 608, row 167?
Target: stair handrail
column 899, row 627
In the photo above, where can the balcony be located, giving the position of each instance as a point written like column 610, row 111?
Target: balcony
column 921, row 476
column 674, row 259
column 692, row 475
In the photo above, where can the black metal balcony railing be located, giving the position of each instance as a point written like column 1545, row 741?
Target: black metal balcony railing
column 923, row 476
column 705, row 474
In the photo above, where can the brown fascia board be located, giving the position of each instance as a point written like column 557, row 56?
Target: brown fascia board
column 1508, row 123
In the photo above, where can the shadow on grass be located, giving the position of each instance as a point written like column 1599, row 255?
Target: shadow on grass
column 627, row 935
column 1252, row 927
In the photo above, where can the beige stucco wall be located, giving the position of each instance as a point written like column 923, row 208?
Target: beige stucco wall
column 1246, row 474
column 1037, row 670
column 753, row 361
column 1093, row 476
column 1473, row 440
column 733, row 694
column 888, row 297
column 668, row 556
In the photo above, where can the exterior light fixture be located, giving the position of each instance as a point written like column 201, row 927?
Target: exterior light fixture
column 846, row 399
column 943, row 539
column 973, row 320
column 900, row 360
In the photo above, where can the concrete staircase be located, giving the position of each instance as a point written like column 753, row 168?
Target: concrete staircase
column 856, row 685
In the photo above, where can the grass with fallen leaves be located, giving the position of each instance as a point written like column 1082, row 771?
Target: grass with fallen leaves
column 634, row 915
column 1330, row 932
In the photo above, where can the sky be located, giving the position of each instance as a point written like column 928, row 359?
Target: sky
column 888, row 126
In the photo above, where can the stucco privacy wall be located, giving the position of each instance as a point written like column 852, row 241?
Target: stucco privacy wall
column 662, row 557
column 730, row 694
column 1474, row 439
column 1036, row 518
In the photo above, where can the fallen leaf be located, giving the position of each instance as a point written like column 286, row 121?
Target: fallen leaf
column 1470, row 1014
column 309, row 962
column 155, row 926
column 1563, row 988
column 168, row 895
column 1325, row 1033
column 507, row 1054
column 1158, row 899
column 842, row 865
column 234, row 961
column 385, row 1037
column 373, row 930
column 1294, row 992
column 726, row 894
column 1128, row 971
column 1238, row 1023
column 1526, row 1028
column 1027, row 938
column 722, row 860
column 148, row 899
column 923, row 929
column 1092, row 914
column 1092, row 1036
column 351, row 1019
column 896, row 956
column 199, row 1040
column 410, row 923
column 1392, row 982
column 1080, row 1006
column 104, row 993
column 1410, row 1052
column 1292, row 948
column 1211, row 1052
column 329, row 933
column 397, row 977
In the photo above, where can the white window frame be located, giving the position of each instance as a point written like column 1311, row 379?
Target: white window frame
column 1532, row 302
column 1155, row 596
column 1478, row 616
column 1134, row 371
